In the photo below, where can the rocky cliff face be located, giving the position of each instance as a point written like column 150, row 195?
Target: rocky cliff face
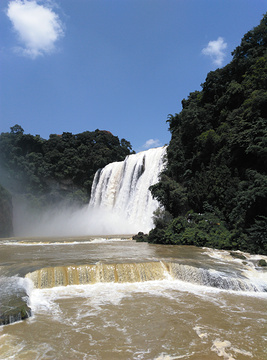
column 6, row 213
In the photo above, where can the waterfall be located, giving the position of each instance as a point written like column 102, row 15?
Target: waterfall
column 96, row 273
column 213, row 278
column 121, row 190
column 140, row 272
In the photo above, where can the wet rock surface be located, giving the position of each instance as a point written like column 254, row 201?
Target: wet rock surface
column 13, row 301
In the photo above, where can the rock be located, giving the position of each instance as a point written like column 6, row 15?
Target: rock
column 13, row 300
column 237, row 255
column 14, row 314
column 262, row 262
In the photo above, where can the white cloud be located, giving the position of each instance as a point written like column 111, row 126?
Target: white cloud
column 215, row 50
column 151, row 143
column 37, row 26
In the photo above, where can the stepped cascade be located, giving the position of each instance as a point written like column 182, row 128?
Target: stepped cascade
column 122, row 188
column 138, row 272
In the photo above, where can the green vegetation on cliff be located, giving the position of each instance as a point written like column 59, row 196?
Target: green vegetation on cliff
column 60, row 168
column 215, row 183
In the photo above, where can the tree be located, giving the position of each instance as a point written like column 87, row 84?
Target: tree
column 59, row 168
column 16, row 129
column 217, row 157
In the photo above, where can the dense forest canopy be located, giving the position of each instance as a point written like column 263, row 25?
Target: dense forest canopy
column 60, row 168
column 215, row 185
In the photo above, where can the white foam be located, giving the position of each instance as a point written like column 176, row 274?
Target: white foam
column 201, row 335
column 44, row 300
column 109, row 240
column 258, row 276
column 63, row 242
column 242, row 352
column 220, row 347
column 40, row 243
column 164, row 356
column 224, row 255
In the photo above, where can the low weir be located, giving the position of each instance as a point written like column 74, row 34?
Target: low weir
column 137, row 272
column 114, row 298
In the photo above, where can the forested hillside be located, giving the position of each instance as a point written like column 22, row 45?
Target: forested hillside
column 61, row 168
column 215, row 185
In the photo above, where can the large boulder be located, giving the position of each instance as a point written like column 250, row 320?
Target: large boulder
column 13, row 300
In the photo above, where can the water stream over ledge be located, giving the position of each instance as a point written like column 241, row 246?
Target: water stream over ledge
column 113, row 298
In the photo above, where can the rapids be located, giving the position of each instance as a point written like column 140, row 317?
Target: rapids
column 109, row 297
column 113, row 298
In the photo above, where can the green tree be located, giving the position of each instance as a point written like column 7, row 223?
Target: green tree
column 217, row 156
column 59, row 168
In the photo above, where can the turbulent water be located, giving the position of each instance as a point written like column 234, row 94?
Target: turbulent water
column 121, row 190
column 100, row 298
column 113, row 298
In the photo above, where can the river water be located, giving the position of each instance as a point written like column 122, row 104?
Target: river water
column 113, row 298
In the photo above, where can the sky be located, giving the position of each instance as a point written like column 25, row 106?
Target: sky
column 116, row 65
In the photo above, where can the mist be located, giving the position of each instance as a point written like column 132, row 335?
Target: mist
column 62, row 220
column 121, row 203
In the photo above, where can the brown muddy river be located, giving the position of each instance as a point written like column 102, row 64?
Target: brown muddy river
column 113, row 298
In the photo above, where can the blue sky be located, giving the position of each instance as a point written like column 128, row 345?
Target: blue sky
column 117, row 65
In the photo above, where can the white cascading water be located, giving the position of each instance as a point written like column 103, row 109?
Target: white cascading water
column 121, row 190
